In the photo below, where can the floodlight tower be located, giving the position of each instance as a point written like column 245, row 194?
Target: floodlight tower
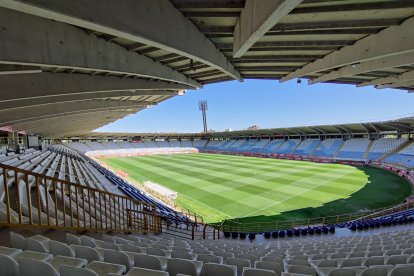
column 202, row 105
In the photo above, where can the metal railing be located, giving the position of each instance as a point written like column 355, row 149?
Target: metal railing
column 257, row 227
column 29, row 199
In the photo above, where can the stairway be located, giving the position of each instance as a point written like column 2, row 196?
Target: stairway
column 339, row 149
column 297, row 145
column 317, row 146
column 368, row 149
column 397, row 149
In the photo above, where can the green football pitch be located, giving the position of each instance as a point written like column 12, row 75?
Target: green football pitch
column 221, row 187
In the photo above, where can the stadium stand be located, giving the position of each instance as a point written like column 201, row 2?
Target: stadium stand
column 382, row 146
column 306, row 147
column 288, row 146
column 328, row 147
column 403, row 157
column 353, row 148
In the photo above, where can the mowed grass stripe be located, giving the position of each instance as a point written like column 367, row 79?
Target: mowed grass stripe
column 236, row 188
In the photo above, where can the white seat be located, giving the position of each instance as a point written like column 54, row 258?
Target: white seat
column 135, row 271
column 72, row 239
column 187, row 267
column 130, row 248
column 117, row 257
column 300, row 269
column 183, row 255
column 87, row 241
column 211, row 269
column 210, row 259
column 59, row 261
column 239, row 263
column 102, row 268
column 90, row 254
column 11, row 252
column 60, row 248
column 109, row 245
column 17, row 241
column 375, row 271
column 276, row 267
column 8, row 266
column 258, row 272
column 36, row 268
column 342, row 272
column 352, row 262
column 402, row 271
column 157, row 252
column 149, row 262
column 397, row 259
column 71, row 271
column 34, row 244
column 27, row 254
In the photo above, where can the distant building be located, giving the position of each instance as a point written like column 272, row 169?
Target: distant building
column 254, row 127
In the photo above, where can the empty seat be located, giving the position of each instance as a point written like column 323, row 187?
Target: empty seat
column 375, row 271
column 102, row 268
column 87, row 241
column 117, row 257
column 11, row 252
column 36, row 268
column 374, row 261
column 149, row 262
column 17, row 241
column 183, row 255
column 402, row 271
column 211, row 269
column 343, row 272
column 8, row 266
column 352, row 262
column 136, row 271
column 37, row 245
column 397, row 259
column 90, row 254
column 72, row 239
column 258, row 272
column 239, row 263
column 305, row 270
column 210, row 259
column 181, row 266
column 71, row 271
column 60, row 248
column 276, row 267
column 59, row 261
column 130, row 248
column 27, row 254
column 157, row 252
column 109, row 245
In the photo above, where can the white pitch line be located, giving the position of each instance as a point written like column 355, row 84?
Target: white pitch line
column 307, row 190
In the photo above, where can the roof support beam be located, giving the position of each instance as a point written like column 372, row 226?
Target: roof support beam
column 55, row 44
column 256, row 19
column 367, row 66
column 394, row 40
column 391, row 82
column 39, row 112
column 170, row 30
column 10, row 69
column 28, row 86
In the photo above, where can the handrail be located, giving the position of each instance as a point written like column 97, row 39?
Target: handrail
column 36, row 200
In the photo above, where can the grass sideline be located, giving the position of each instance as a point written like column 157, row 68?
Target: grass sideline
column 253, row 189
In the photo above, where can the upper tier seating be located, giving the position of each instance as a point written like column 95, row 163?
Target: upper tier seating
column 354, row 148
column 306, row 147
column 288, row 146
column 404, row 157
column 328, row 148
column 384, row 145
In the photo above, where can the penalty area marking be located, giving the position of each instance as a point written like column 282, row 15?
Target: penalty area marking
column 295, row 195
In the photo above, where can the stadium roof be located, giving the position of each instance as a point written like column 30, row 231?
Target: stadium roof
column 72, row 66
column 401, row 126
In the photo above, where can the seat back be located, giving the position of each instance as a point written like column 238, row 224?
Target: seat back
column 109, row 245
column 87, row 241
column 328, row 263
column 156, row 252
column 352, row 262
column 397, row 259
column 239, row 263
column 211, row 269
column 36, row 245
column 402, row 271
column 60, row 248
column 70, row 271
column 300, row 269
column 17, row 241
column 342, row 272
column 136, row 271
column 258, row 272
column 146, row 261
column 87, row 253
column 183, row 255
column 210, row 259
column 36, row 268
column 181, row 266
column 72, row 239
column 276, row 267
column 374, row 261
column 130, row 248
column 8, row 266
column 117, row 257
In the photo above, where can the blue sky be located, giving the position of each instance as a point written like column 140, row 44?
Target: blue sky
column 268, row 104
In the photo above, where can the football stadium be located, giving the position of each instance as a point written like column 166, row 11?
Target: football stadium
column 328, row 199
